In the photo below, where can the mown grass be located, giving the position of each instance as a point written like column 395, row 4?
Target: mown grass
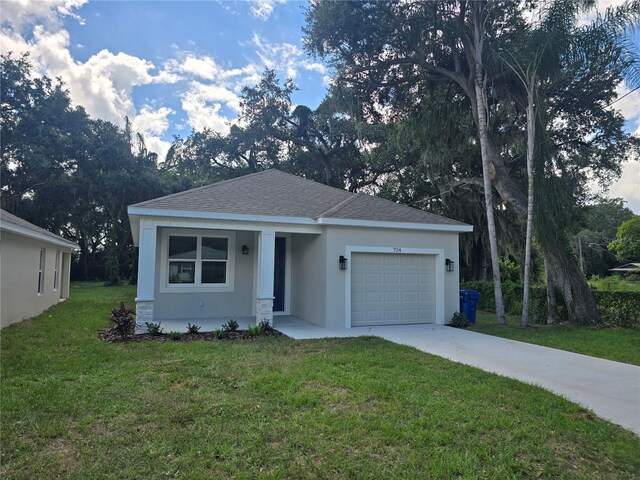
column 612, row 343
column 74, row 407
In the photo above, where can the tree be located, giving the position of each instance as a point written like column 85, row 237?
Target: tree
column 70, row 174
column 391, row 52
column 325, row 145
column 627, row 243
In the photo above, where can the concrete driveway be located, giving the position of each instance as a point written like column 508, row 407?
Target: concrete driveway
column 610, row 389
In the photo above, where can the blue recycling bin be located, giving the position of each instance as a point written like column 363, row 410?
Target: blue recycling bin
column 469, row 303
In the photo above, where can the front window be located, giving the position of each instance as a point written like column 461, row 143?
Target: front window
column 198, row 260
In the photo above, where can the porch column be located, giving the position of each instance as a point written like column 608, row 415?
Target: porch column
column 266, row 263
column 146, row 274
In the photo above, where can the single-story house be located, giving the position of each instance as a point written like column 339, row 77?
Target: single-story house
column 35, row 265
column 272, row 243
column 633, row 267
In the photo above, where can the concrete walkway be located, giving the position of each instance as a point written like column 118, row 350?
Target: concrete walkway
column 610, row 389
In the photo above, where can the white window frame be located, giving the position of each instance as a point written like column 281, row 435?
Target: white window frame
column 56, row 271
column 197, row 287
column 42, row 261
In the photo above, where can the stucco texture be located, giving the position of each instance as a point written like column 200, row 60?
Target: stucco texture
column 19, row 265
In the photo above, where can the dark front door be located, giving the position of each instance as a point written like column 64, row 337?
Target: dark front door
column 278, row 274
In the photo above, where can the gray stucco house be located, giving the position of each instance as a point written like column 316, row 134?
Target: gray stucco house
column 272, row 243
column 35, row 265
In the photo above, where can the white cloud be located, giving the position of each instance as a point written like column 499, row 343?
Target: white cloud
column 22, row 12
column 264, row 8
column 628, row 186
column 103, row 84
column 284, row 57
column 203, row 105
column 629, row 106
column 152, row 122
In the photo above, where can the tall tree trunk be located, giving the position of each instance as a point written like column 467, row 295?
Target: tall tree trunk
column 552, row 302
column 84, row 260
column 566, row 274
column 483, row 133
column 531, row 138
column 577, row 295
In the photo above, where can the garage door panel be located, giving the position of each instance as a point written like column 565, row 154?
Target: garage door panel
column 391, row 260
column 389, row 289
column 409, row 297
column 391, row 297
column 391, row 278
column 409, row 278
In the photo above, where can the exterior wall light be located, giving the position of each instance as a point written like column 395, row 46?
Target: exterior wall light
column 449, row 264
column 245, row 250
column 342, row 262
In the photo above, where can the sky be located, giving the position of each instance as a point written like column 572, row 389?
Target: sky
column 176, row 66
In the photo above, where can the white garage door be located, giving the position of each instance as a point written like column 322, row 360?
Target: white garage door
column 392, row 289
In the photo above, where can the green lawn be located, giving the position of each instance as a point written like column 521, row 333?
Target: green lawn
column 614, row 343
column 74, row 407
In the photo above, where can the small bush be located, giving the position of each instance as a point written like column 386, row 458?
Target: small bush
column 266, row 326
column 219, row 333
column 123, row 320
column 193, row 328
column 255, row 330
column 175, row 336
column 459, row 320
column 230, row 326
column 154, row 328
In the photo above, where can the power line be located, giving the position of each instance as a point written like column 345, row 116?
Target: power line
column 620, row 98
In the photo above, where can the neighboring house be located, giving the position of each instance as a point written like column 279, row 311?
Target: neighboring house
column 274, row 243
column 34, row 269
column 633, row 267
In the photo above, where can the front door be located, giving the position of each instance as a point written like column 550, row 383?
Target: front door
column 278, row 274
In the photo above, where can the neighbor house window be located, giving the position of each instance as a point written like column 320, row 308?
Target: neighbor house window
column 56, row 266
column 198, row 260
column 43, row 253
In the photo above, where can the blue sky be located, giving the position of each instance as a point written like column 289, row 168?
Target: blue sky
column 174, row 66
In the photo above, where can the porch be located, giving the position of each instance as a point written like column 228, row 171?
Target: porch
column 208, row 272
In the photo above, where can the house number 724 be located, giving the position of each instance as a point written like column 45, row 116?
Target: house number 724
column 397, row 250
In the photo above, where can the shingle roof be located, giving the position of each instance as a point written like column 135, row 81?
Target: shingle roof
column 276, row 193
column 8, row 218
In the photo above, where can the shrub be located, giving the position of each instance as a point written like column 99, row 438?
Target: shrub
column 154, row 328
column 174, row 335
column 459, row 320
column 123, row 320
column 230, row 326
column 617, row 307
column 219, row 333
column 193, row 328
column 266, row 326
column 254, row 330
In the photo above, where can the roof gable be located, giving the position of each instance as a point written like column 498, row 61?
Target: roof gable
column 276, row 193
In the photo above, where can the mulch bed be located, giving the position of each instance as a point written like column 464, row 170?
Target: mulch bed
column 110, row 335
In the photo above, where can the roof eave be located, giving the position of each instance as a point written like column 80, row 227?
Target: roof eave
column 26, row 232
column 136, row 212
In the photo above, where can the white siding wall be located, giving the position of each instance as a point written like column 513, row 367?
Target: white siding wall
column 309, row 267
column 19, row 264
column 338, row 238
column 187, row 305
